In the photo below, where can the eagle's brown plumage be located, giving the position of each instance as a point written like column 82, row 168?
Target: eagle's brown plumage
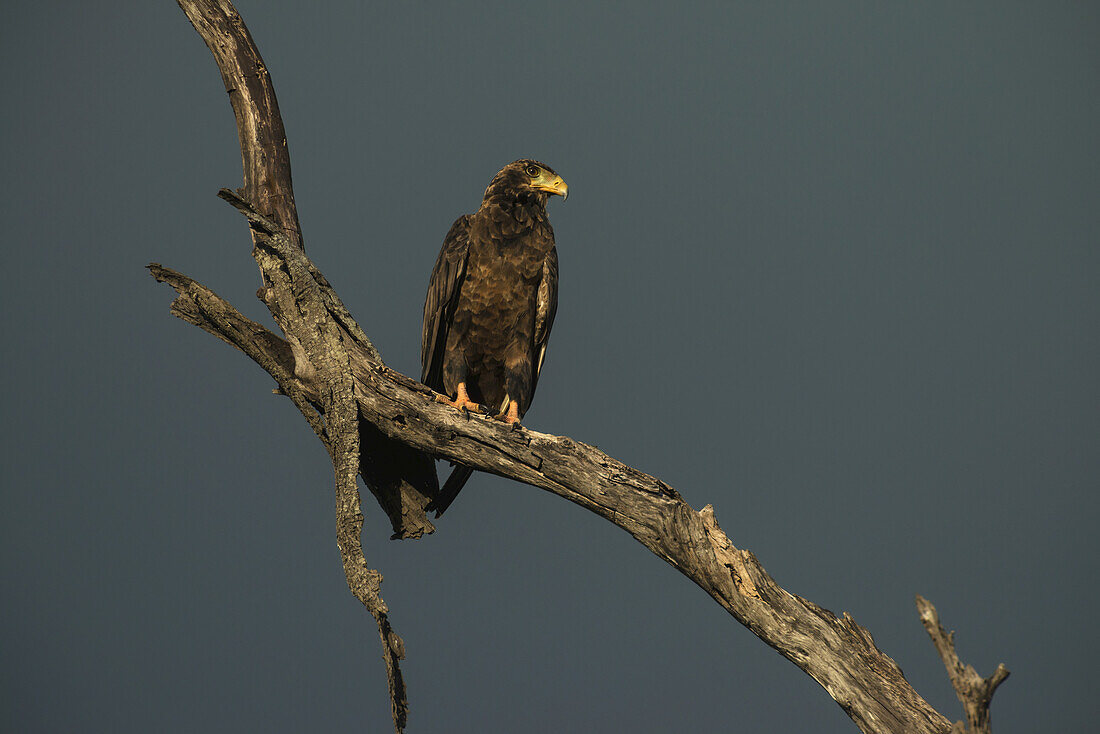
column 492, row 299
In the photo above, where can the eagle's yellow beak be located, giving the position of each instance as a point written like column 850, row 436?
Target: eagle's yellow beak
column 553, row 185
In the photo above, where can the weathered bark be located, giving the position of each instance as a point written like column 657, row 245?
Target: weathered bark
column 404, row 481
column 378, row 422
column 974, row 691
column 318, row 330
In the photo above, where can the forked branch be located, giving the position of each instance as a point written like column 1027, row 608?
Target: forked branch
column 974, row 691
column 318, row 336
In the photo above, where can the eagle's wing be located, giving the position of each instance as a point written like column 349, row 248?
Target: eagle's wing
column 546, row 309
column 439, row 306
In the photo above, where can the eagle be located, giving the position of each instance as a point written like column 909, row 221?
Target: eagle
column 491, row 303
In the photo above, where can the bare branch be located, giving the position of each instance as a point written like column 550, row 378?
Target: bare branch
column 198, row 305
column 264, row 154
column 974, row 691
column 836, row 652
column 315, row 326
column 278, row 240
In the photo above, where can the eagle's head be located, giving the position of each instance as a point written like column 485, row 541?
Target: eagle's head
column 526, row 181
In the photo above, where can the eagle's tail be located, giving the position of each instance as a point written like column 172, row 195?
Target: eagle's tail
column 459, row 475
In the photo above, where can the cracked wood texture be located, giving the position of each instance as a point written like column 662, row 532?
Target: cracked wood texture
column 319, row 334
column 403, row 481
column 379, row 423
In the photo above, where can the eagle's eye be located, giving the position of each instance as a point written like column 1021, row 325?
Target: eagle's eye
column 532, row 171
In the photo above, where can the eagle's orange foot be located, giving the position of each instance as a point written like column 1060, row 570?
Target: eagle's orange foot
column 462, row 401
column 466, row 404
column 512, row 423
column 510, row 416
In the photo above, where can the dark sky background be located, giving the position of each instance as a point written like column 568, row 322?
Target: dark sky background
column 829, row 267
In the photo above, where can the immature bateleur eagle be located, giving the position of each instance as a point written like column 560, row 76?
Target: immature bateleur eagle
column 491, row 302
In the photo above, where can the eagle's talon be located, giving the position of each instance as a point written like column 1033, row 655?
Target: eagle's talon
column 462, row 401
column 510, row 414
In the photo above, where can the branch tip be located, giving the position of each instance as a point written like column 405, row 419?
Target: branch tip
column 974, row 692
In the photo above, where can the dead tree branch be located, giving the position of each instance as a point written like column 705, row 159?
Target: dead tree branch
column 380, row 424
column 319, row 332
column 974, row 691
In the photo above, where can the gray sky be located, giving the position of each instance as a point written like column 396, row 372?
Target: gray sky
column 829, row 267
